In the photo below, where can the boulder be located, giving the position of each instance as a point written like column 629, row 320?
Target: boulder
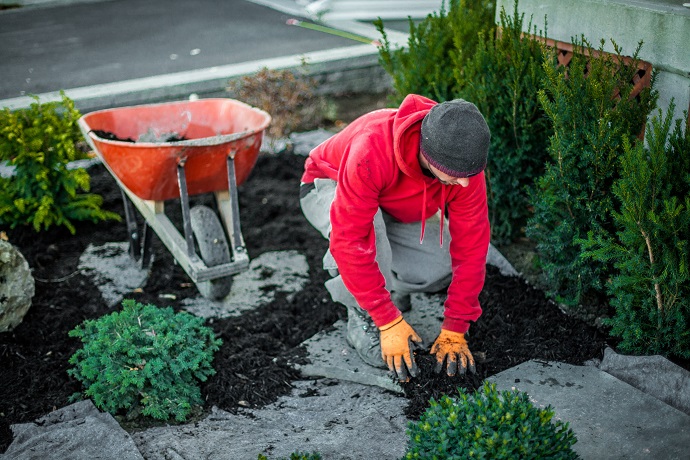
column 16, row 286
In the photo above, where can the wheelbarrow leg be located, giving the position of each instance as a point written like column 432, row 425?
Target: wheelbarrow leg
column 229, row 208
column 139, row 243
column 146, row 246
column 132, row 230
column 184, row 203
column 236, row 235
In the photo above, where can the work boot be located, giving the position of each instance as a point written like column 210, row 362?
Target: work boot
column 363, row 336
column 401, row 300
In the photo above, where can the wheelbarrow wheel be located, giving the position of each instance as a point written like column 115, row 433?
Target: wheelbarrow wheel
column 213, row 249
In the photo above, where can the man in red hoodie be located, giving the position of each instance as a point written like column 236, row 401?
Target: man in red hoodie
column 381, row 191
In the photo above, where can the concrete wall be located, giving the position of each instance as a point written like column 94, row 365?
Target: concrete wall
column 662, row 25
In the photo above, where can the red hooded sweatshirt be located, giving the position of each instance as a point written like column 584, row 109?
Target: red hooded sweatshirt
column 375, row 163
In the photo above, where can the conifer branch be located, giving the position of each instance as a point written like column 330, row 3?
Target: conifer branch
column 657, row 287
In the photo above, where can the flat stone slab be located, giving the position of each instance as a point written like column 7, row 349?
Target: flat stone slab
column 331, row 356
column 611, row 419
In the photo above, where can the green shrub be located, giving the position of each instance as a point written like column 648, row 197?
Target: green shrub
column 574, row 195
column 503, row 79
column 144, row 359
column 296, row 456
column 39, row 142
column 488, row 424
column 650, row 286
column 436, row 46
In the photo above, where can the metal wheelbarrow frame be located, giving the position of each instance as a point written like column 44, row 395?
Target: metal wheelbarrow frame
column 206, row 161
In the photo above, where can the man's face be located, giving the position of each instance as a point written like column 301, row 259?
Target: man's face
column 442, row 177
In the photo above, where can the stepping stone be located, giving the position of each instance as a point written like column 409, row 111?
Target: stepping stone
column 610, row 418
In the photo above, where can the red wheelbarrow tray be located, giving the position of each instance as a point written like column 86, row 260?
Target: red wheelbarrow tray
column 212, row 129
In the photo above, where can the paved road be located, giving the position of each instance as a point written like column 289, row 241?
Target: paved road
column 82, row 44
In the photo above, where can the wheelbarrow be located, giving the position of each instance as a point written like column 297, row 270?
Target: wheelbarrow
column 159, row 152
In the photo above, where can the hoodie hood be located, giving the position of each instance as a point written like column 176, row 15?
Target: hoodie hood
column 406, row 133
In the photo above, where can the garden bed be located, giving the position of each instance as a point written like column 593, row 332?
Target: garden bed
column 518, row 323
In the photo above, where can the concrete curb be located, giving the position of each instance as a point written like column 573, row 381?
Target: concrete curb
column 341, row 70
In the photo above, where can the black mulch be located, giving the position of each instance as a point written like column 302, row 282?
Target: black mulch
column 518, row 323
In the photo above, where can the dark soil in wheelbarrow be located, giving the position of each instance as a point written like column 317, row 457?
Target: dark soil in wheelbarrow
column 518, row 323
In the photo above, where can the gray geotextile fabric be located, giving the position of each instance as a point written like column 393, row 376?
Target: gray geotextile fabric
column 339, row 420
column 654, row 375
column 75, row 432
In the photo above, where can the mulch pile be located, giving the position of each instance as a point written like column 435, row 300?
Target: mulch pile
column 518, row 323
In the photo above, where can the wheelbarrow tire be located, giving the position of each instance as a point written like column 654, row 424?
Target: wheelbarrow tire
column 213, row 250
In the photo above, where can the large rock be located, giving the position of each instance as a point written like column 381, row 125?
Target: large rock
column 16, row 287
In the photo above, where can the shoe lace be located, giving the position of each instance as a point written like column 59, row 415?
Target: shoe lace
column 372, row 331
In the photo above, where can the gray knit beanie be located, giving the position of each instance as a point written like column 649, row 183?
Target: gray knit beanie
column 455, row 138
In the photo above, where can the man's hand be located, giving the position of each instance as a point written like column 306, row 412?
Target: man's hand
column 452, row 347
column 396, row 343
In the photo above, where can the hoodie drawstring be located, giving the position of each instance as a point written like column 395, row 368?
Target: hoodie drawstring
column 443, row 213
column 421, row 236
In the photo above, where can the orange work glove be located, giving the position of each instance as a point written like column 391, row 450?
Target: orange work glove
column 396, row 343
column 452, row 347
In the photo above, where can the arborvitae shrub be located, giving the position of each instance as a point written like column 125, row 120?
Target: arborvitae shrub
column 503, row 79
column 437, row 44
column 146, row 359
column 650, row 285
column 39, row 142
column 488, row 424
column 592, row 113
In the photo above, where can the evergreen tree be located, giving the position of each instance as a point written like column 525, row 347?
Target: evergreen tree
column 592, row 111
column 436, row 44
column 503, row 79
column 650, row 286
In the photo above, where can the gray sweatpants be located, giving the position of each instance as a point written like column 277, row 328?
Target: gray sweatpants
column 407, row 265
